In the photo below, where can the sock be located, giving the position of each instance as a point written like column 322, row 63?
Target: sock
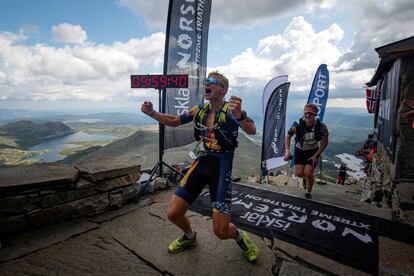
column 239, row 235
column 190, row 234
column 239, row 240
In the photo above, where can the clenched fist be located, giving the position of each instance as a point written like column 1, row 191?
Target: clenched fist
column 235, row 106
column 147, row 108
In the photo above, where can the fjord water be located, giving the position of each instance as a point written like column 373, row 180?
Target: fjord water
column 58, row 144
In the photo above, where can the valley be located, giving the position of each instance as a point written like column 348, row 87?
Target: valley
column 96, row 135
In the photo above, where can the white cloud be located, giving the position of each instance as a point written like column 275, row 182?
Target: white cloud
column 233, row 13
column 242, row 13
column 347, row 103
column 68, row 33
column 79, row 72
column 154, row 12
column 376, row 24
column 297, row 52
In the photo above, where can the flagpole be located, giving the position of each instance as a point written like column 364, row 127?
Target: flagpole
column 262, row 162
column 162, row 95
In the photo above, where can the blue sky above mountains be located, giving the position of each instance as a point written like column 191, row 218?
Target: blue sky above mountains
column 57, row 54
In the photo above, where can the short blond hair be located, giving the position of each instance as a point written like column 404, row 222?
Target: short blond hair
column 313, row 106
column 220, row 77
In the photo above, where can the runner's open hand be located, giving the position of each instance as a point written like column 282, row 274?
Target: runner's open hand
column 314, row 159
column 147, row 108
column 287, row 156
column 235, row 106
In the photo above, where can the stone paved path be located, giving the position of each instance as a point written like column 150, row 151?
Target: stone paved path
column 133, row 240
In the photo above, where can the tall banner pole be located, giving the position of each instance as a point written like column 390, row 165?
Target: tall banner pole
column 162, row 92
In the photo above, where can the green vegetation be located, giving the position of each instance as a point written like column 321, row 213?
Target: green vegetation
column 27, row 133
column 143, row 139
column 16, row 156
column 117, row 130
column 15, row 137
column 82, row 146
column 7, row 142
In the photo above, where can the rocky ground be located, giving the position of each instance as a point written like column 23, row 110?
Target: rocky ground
column 133, row 240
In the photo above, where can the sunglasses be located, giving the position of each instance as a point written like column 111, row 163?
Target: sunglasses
column 309, row 113
column 211, row 80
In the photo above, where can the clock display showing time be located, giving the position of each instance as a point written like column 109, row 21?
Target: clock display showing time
column 159, row 81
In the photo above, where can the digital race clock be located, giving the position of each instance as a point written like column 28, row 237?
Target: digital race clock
column 159, row 81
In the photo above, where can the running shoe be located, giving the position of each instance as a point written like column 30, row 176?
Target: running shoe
column 250, row 250
column 182, row 244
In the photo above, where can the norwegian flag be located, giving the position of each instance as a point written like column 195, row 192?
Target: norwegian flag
column 371, row 100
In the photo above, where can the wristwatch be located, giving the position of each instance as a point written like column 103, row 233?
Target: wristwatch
column 242, row 116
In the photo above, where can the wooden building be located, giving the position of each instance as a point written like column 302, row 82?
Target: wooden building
column 393, row 166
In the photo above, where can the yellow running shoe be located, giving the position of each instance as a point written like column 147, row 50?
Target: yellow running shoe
column 182, row 244
column 251, row 251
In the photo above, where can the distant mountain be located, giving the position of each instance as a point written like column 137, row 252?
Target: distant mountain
column 41, row 117
column 7, row 115
column 28, row 133
column 335, row 148
column 349, row 120
column 145, row 143
column 246, row 160
column 342, row 125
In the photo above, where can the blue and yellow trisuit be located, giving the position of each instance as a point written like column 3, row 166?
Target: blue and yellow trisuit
column 213, row 168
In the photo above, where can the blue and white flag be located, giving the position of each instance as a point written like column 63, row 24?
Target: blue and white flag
column 320, row 88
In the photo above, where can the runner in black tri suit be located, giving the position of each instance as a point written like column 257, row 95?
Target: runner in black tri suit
column 216, row 125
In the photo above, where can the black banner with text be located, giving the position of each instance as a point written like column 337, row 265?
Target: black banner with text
column 346, row 236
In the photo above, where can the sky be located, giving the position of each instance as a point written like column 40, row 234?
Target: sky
column 79, row 54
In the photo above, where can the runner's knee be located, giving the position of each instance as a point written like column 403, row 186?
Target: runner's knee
column 309, row 174
column 299, row 173
column 174, row 214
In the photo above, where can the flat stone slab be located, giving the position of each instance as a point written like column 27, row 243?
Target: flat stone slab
column 395, row 258
column 304, row 257
column 106, row 167
column 93, row 253
column 289, row 269
column 148, row 233
column 36, row 240
column 36, row 176
column 406, row 195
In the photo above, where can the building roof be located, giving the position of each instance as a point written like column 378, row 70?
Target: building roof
column 390, row 52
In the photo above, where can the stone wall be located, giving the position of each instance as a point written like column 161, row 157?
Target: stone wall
column 386, row 188
column 42, row 194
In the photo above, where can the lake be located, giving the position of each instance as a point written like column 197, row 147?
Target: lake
column 57, row 145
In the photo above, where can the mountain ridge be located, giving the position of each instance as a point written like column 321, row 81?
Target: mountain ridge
column 27, row 133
